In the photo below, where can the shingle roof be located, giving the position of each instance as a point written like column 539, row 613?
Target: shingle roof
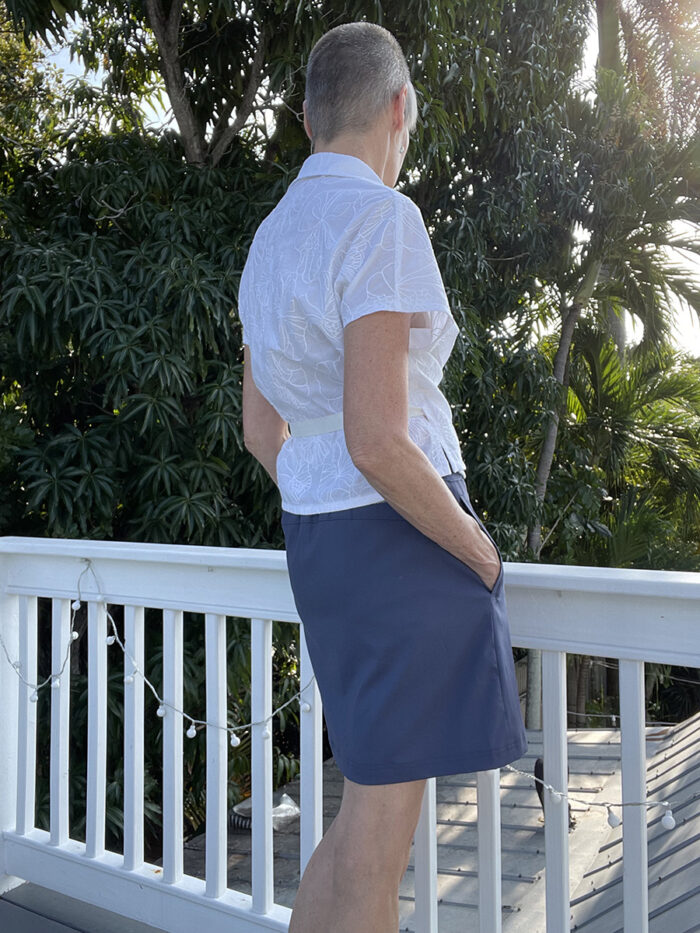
column 673, row 774
column 594, row 849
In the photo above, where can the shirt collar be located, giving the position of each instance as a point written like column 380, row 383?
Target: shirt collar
column 337, row 163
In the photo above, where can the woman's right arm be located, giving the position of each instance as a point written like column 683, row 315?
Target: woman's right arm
column 375, row 415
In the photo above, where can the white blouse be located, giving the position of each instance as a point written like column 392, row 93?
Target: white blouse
column 338, row 245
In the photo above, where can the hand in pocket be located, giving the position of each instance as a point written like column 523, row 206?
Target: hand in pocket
column 483, row 558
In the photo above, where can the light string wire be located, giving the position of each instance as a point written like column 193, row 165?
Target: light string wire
column 55, row 678
column 558, row 796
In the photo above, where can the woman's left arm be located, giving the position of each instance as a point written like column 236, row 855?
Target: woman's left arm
column 264, row 429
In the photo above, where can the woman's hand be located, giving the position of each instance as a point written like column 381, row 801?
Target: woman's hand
column 264, row 429
column 481, row 555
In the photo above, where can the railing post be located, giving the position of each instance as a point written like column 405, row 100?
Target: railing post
column 133, row 737
column 26, row 749
column 60, row 721
column 425, row 862
column 556, row 811
column 9, row 699
column 489, row 850
column 97, row 730
column 173, row 816
column 217, row 755
column 635, row 871
column 311, row 790
column 262, row 856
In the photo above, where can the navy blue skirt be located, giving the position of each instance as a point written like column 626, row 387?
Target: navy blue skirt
column 411, row 651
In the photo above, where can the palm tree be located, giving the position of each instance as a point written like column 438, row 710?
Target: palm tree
column 640, row 418
column 646, row 121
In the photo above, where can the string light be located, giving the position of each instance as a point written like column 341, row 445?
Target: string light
column 556, row 796
column 161, row 711
column 53, row 679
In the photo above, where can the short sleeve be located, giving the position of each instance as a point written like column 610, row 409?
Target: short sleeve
column 389, row 263
column 243, row 301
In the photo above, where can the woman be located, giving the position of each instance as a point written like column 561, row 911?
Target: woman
column 346, row 330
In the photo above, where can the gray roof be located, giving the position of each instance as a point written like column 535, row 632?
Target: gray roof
column 673, row 774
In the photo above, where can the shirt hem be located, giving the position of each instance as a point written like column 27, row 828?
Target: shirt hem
column 366, row 499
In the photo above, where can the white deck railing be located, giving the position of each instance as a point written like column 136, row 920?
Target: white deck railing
column 635, row 616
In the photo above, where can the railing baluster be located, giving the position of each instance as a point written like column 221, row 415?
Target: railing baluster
column 261, row 770
column 60, row 721
column 217, row 760
column 556, row 824
column 635, row 877
column 489, row 850
column 26, row 751
column 133, row 738
column 97, row 730
column 172, row 747
column 311, row 828
column 425, row 862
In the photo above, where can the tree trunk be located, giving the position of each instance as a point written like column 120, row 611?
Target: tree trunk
column 544, row 465
column 533, row 701
column 612, row 678
column 166, row 29
column 582, row 690
column 608, row 15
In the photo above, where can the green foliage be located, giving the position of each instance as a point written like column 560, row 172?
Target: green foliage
column 638, row 419
column 28, row 100
column 121, row 268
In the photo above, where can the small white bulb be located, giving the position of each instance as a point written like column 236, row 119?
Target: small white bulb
column 34, row 697
column 110, row 639
column 191, row 732
column 235, row 741
column 265, row 733
column 17, row 666
column 160, row 711
column 75, row 604
column 56, row 683
column 667, row 820
column 129, row 679
column 613, row 819
column 557, row 799
column 100, row 598
column 74, row 635
column 306, row 707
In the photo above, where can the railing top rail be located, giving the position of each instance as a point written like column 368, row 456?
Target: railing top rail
column 242, row 558
column 565, row 578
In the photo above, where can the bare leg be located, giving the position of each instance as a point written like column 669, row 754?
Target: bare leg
column 352, row 880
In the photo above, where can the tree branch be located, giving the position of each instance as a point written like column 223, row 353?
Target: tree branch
column 218, row 148
column 172, row 25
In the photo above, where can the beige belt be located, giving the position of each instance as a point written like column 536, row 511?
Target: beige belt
column 332, row 422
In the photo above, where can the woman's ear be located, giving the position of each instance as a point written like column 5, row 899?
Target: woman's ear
column 399, row 108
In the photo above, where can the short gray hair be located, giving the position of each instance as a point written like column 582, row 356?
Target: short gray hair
column 354, row 72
